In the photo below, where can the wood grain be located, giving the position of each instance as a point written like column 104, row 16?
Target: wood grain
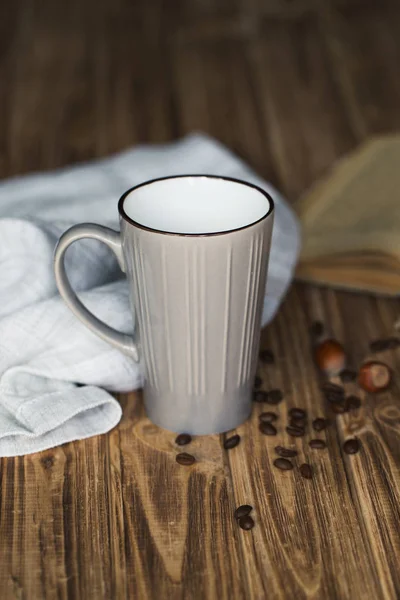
column 290, row 87
column 300, row 546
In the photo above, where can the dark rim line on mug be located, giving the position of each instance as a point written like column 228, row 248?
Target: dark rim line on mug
column 214, row 233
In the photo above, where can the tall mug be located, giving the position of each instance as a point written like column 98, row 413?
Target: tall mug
column 195, row 252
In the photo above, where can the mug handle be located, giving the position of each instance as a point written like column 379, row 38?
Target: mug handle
column 112, row 239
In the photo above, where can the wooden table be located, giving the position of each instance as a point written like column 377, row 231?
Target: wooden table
column 289, row 86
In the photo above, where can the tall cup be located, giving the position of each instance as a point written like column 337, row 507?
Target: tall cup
column 195, row 252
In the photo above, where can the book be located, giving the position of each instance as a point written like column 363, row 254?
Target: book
column 351, row 221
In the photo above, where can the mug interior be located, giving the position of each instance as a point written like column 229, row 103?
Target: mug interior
column 195, row 205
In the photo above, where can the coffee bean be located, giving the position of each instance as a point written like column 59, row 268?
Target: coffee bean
column 347, row 375
column 319, row 424
column 351, row 446
column 338, row 408
column 283, row 464
column 274, row 397
column 334, row 398
column 317, row 444
column 333, row 392
column 390, row 343
column 295, row 431
column 317, row 329
column 246, row 523
column 260, row 396
column 266, row 357
column 268, row 417
column 231, row 442
column 377, row 345
column 267, row 428
column 297, row 413
column 306, row 471
column 183, row 439
column 328, row 386
column 185, row 459
column 257, row 382
column 285, row 452
column 393, row 343
column 352, row 402
column 298, row 423
column 243, row 511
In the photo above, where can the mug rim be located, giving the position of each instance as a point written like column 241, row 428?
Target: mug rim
column 191, row 235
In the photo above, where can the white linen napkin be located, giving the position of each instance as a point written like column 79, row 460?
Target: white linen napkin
column 44, row 350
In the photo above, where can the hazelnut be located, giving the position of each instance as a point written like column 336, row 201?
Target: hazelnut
column 374, row 376
column 330, row 357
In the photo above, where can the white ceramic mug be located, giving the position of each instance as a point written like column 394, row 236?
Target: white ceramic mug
column 195, row 251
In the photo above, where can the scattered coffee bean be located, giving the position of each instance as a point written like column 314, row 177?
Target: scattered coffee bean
column 351, row 446
column 317, row 444
column 319, row 424
column 347, row 375
column 330, row 357
column 246, row 523
column 297, row 413
column 267, row 428
column 274, row 397
column 317, row 329
column 298, row 423
column 183, row 439
column 378, row 345
column 306, row 471
column 352, row 402
column 231, row 442
column 283, row 464
column 268, row 417
column 260, row 396
column 295, row 431
column 257, row 382
column 390, row 343
column 393, row 343
column 285, row 452
column 185, row 459
column 332, row 388
column 243, row 511
column 338, row 407
column 266, row 357
column 374, row 376
column 335, row 400
column 333, row 392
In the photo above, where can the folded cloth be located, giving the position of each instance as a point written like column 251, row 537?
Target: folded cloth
column 54, row 372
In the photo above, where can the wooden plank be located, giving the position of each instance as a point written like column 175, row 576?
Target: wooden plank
column 223, row 106
column 180, row 540
column 364, row 54
column 301, row 116
column 297, row 548
column 54, row 523
column 44, row 60
column 132, row 83
column 362, row 6
column 364, row 51
column 373, row 475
